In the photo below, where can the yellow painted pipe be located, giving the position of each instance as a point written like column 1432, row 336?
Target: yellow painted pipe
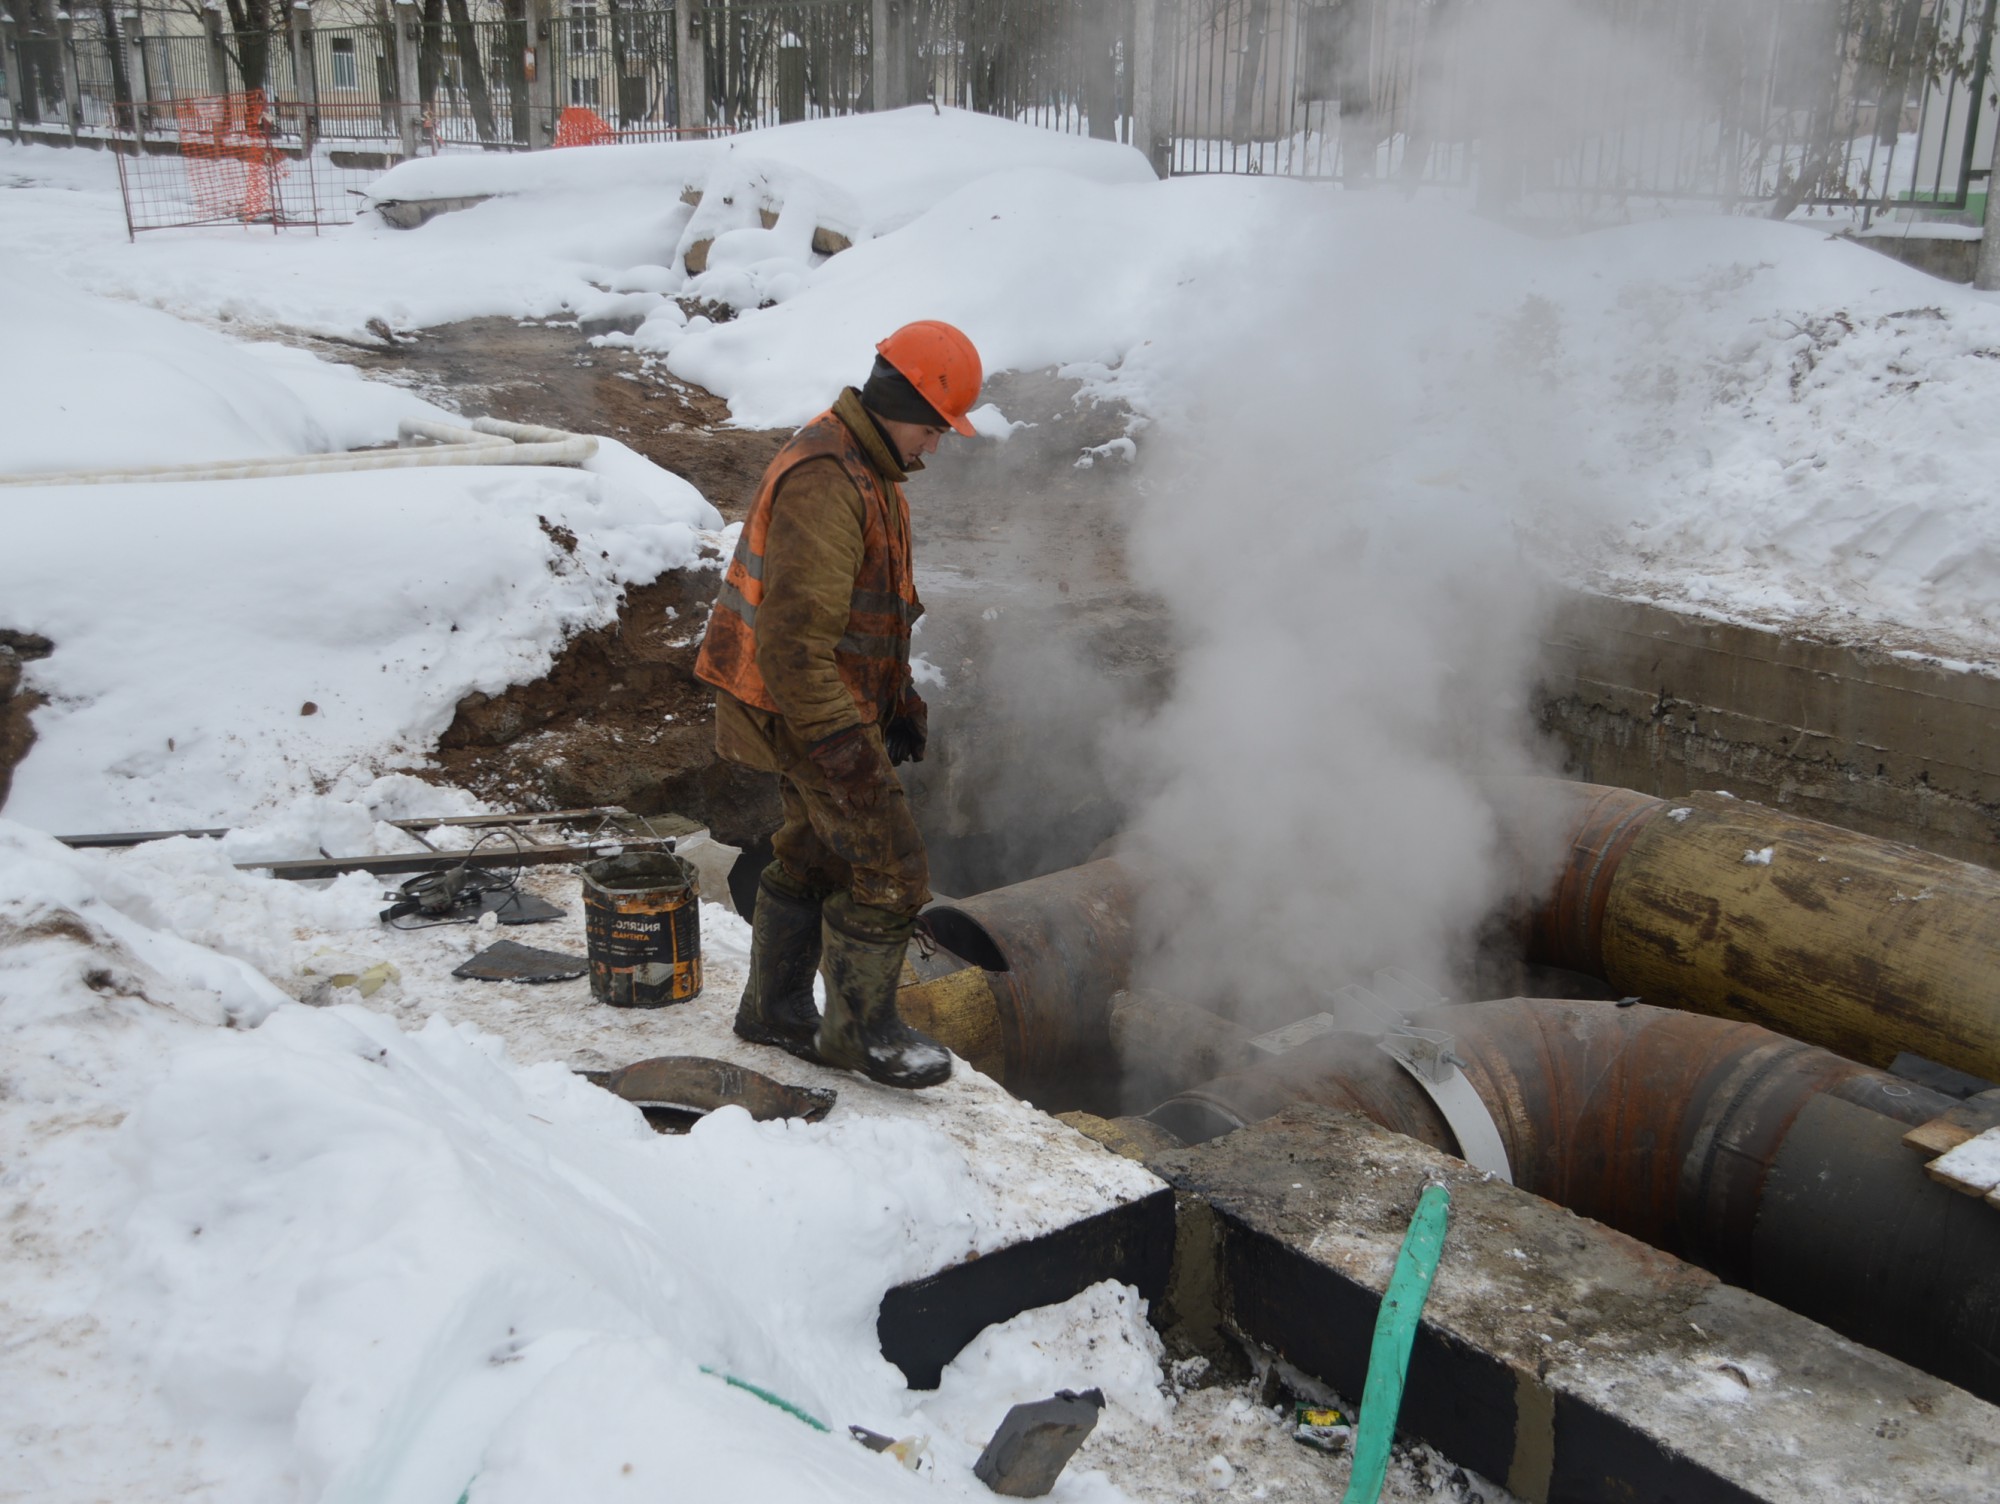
column 957, row 1008
column 1863, row 946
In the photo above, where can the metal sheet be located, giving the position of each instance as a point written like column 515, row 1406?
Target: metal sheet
column 510, row 961
column 695, row 1083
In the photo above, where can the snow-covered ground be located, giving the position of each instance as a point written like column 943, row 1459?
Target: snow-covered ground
column 384, row 1249
column 263, row 1250
column 1754, row 419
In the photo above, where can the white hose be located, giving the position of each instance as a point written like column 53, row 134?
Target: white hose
column 411, row 429
column 488, row 442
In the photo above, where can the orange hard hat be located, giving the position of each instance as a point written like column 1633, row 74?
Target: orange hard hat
column 939, row 361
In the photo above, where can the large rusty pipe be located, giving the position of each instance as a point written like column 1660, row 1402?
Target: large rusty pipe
column 1868, row 947
column 1045, row 957
column 1775, row 1164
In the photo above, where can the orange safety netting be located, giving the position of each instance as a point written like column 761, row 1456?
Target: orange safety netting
column 579, row 126
column 233, row 166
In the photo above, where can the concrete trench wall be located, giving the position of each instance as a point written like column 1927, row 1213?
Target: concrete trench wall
column 1666, row 702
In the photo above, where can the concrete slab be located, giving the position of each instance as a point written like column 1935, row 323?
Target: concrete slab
column 1559, row 1356
column 1667, row 702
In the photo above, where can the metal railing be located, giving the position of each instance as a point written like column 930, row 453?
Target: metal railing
column 771, row 62
column 1062, row 64
column 1836, row 102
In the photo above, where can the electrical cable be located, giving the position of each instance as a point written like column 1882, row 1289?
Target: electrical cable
column 454, row 895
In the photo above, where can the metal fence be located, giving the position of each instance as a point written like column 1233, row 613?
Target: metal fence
column 1784, row 102
column 1544, row 108
column 770, row 62
column 239, row 161
column 1062, row 64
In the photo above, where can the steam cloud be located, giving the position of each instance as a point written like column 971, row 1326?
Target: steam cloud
column 1333, row 522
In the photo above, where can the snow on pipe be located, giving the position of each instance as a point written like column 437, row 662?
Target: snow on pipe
column 1778, row 1166
column 1866, row 946
column 489, row 441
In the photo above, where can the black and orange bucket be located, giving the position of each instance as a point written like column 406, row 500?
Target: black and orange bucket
column 642, row 929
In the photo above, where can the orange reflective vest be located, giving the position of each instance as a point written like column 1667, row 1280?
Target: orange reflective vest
column 873, row 654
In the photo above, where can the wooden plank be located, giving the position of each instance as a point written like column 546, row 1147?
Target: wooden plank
column 1948, row 1130
column 1972, row 1168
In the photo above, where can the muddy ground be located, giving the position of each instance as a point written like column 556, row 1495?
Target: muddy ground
column 1038, row 635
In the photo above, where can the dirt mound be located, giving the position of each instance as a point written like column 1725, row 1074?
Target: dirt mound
column 546, row 373
column 17, row 704
column 620, row 719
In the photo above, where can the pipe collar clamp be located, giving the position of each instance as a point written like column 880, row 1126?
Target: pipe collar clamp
column 1428, row 1057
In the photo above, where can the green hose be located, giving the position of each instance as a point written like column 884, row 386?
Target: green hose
column 1395, row 1331
column 767, row 1397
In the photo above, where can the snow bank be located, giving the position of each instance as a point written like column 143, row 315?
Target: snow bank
column 865, row 174
column 110, row 385
column 222, row 647
column 1039, row 268
column 1740, row 417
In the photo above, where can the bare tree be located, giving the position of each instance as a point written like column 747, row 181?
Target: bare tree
column 471, row 68
column 121, row 81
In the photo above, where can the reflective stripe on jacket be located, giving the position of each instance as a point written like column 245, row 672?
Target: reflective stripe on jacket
column 871, row 654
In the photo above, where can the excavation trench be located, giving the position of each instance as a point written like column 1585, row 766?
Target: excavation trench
column 1740, row 1117
column 1033, row 640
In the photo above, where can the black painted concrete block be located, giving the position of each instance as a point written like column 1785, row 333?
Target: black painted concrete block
column 925, row 1324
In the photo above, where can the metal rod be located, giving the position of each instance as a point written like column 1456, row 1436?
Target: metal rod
column 292, row 870
column 106, row 839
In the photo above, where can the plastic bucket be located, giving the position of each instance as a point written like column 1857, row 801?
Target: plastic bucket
column 642, row 929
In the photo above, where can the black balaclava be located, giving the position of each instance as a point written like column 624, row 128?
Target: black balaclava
column 890, row 395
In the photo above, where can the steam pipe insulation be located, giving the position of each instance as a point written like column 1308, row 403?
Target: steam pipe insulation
column 1045, row 958
column 1865, row 946
column 1776, row 1165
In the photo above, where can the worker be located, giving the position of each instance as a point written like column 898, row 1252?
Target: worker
column 808, row 648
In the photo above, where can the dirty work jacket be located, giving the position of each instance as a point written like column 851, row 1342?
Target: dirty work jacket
column 813, row 617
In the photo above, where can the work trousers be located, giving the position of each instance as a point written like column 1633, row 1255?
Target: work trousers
column 877, row 856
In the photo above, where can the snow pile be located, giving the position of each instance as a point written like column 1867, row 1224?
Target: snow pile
column 1806, row 427
column 326, row 1257
column 864, row 175
column 595, row 232
column 220, row 647
column 527, row 257
column 223, row 648
column 111, row 385
column 1039, row 268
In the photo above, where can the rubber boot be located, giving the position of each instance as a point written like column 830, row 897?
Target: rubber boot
column 777, row 1006
column 862, row 1030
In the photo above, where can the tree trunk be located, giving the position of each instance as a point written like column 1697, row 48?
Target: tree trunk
column 121, row 81
column 430, row 52
column 1100, row 26
column 472, row 68
column 517, row 68
column 1903, row 70
column 251, row 20
column 1249, row 70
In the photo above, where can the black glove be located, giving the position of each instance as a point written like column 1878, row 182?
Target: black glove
column 908, row 731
